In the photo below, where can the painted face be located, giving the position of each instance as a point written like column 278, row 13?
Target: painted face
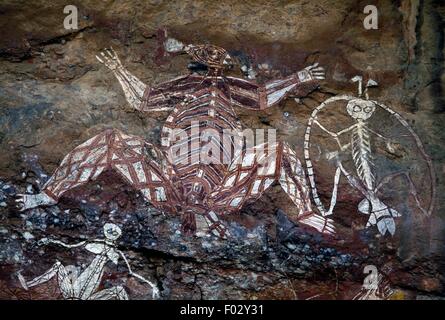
column 360, row 109
column 210, row 55
column 112, row 231
column 172, row 45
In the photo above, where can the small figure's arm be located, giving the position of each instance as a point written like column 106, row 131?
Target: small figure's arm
column 336, row 135
column 45, row 241
column 391, row 146
column 155, row 289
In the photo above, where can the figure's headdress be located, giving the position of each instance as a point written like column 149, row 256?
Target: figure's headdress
column 212, row 56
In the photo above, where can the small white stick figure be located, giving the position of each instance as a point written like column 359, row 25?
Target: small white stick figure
column 361, row 110
column 83, row 286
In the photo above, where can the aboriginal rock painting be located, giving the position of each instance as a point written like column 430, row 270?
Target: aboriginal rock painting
column 75, row 284
column 175, row 178
column 349, row 149
column 201, row 193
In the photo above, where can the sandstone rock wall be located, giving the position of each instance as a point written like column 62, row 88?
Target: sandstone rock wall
column 55, row 95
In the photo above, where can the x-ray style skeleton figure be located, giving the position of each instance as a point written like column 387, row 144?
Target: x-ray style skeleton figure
column 364, row 180
column 199, row 193
column 75, row 285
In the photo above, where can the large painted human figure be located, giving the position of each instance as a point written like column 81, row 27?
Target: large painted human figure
column 201, row 192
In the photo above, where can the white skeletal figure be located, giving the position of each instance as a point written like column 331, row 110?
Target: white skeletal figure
column 361, row 110
column 75, row 285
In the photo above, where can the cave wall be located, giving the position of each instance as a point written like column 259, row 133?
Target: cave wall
column 54, row 95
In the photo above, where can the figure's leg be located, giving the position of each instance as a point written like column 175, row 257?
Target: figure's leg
column 293, row 181
column 66, row 278
column 82, row 164
column 251, row 175
column 138, row 162
column 114, row 293
column 48, row 275
column 145, row 168
column 379, row 213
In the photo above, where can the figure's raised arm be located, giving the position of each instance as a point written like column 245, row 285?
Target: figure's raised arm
column 299, row 83
column 140, row 96
column 133, row 87
column 46, row 241
column 247, row 94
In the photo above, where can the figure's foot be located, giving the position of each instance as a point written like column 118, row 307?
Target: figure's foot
column 216, row 227
column 29, row 201
column 380, row 215
column 322, row 224
column 22, row 281
column 202, row 224
column 385, row 223
column 210, row 223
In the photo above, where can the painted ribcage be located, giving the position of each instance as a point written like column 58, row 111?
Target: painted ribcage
column 201, row 120
column 361, row 154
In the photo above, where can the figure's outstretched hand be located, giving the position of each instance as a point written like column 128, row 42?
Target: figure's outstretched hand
column 28, row 201
column 315, row 72
column 109, row 58
column 43, row 242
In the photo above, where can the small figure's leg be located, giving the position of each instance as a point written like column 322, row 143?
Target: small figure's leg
column 67, row 277
column 138, row 162
column 48, row 275
column 379, row 213
column 381, row 292
column 114, row 293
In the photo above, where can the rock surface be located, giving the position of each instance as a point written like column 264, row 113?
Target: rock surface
column 55, row 95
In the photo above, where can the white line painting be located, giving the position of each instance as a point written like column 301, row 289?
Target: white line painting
column 76, row 285
column 359, row 147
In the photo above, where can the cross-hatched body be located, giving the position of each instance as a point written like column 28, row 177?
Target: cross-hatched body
column 181, row 182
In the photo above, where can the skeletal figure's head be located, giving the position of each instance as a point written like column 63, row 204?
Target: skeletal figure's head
column 360, row 109
column 112, row 231
column 209, row 55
